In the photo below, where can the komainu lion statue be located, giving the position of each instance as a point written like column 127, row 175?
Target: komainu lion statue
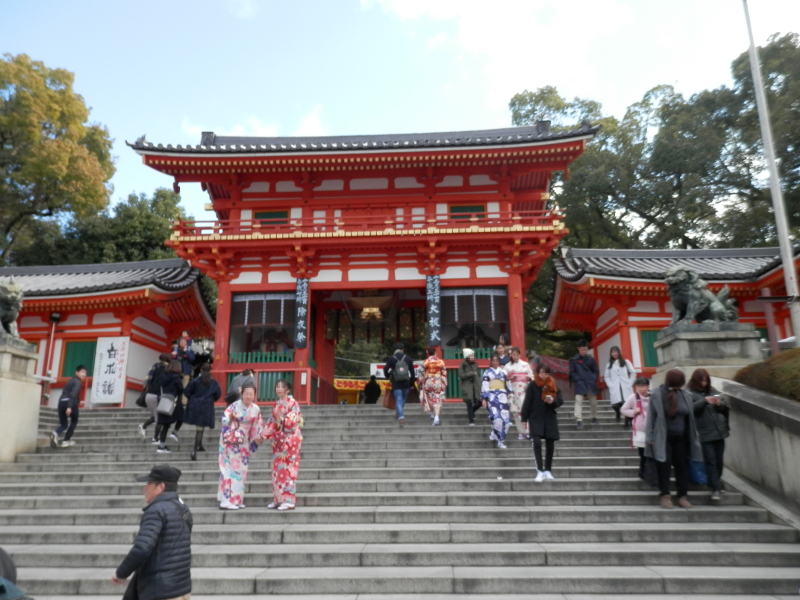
column 691, row 299
column 10, row 305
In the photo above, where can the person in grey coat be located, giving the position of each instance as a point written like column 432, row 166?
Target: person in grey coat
column 161, row 558
column 671, row 436
column 470, row 377
column 246, row 377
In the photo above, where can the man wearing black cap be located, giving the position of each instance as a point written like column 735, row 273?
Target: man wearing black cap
column 161, row 558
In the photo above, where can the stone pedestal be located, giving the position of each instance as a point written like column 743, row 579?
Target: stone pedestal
column 19, row 398
column 719, row 348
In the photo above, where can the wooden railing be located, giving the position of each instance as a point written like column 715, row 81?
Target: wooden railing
column 361, row 224
column 237, row 358
column 456, row 353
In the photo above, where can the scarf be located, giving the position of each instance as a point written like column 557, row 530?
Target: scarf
column 548, row 387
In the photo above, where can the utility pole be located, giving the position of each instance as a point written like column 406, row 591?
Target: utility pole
column 782, row 227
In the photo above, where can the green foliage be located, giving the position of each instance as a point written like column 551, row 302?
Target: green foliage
column 673, row 172
column 779, row 375
column 133, row 230
column 354, row 357
column 52, row 161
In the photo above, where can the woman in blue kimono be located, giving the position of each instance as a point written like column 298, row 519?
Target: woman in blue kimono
column 494, row 393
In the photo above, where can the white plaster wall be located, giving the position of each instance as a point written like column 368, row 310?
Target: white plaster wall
column 456, row 273
column 42, row 354
column 57, row 349
column 248, row 277
column 646, row 306
column 258, row 186
column 606, row 317
column 148, row 325
column 376, row 183
column 451, row 181
column 481, row 180
column 368, row 275
column 327, row 275
column 74, row 320
column 140, row 359
column 330, row 185
column 484, row 271
column 105, row 319
column 636, row 349
column 408, row 274
column 32, row 321
column 280, row 277
column 402, row 183
column 287, row 186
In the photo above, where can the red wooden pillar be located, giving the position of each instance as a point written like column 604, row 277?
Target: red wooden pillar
column 222, row 332
column 516, row 315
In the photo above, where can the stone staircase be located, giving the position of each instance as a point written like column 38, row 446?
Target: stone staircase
column 385, row 513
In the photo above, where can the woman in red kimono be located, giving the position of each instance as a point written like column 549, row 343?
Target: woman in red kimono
column 283, row 428
column 432, row 383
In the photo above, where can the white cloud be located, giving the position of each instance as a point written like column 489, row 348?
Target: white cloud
column 609, row 50
column 311, row 124
column 242, row 9
column 251, row 126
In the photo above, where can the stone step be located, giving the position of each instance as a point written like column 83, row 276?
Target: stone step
column 441, row 579
column 422, row 555
column 458, row 597
column 544, row 497
column 206, row 467
column 513, row 480
column 20, row 521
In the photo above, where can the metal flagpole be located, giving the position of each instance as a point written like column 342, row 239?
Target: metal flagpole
column 782, row 228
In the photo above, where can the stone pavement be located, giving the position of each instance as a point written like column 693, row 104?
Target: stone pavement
column 393, row 514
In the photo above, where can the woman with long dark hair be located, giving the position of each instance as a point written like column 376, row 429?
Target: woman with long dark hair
column 433, row 383
column 202, row 392
column 284, row 429
column 711, row 413
column 542, row 399
column 619, row 376
column 671, row 436
column 170, row 382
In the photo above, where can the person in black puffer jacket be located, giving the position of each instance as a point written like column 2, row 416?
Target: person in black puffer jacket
column 711, row 416
column 170, row 382
column 161, row 558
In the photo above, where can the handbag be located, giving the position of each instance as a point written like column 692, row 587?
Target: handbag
column 697, row 472
column 388, row 400
column 140, row 400
column 166, row 404
column 233, row 435
column 132, row 591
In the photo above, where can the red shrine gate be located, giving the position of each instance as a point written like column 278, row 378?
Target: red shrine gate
column 426, row 237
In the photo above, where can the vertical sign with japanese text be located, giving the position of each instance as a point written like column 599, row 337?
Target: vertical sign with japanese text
column 301, row 315
column 110, row 370
column 434, row 305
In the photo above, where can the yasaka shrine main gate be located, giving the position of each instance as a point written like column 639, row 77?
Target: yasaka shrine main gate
column 428, row 238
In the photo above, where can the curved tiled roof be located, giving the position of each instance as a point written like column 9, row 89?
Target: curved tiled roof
column 169, row 275
column 214, row 144
column 743, row 264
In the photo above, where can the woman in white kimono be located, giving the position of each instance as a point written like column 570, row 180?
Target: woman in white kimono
column 242, row 429
column 619, row 377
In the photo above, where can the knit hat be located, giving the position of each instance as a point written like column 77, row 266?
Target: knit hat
column 468, row 352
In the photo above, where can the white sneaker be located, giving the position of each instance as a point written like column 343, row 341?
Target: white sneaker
column 501, row 445
column 540, row 477
column 436, row 421
column 471, row 425
column 53, row 440
column 549, row 476
column 286, row 506
column 273, row 505
column 67, row 444
column 163, row 450
column 174, row 436
column 143, row 431
column 521, row 436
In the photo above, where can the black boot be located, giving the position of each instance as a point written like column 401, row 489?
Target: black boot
column 198, row 443
column 157, row 434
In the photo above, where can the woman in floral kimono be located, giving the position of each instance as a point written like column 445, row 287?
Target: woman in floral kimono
column 432, row 383
column 283, row 428
column 494, row 393
column 519, row 376
column 241, row 434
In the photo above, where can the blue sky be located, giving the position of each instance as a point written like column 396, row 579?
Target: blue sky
column 174, row 68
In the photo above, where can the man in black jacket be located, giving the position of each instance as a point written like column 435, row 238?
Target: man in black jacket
column 402, row 379
column 68, row 407
column 161, row 557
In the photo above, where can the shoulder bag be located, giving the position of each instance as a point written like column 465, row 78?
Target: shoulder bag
column 166, row 403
